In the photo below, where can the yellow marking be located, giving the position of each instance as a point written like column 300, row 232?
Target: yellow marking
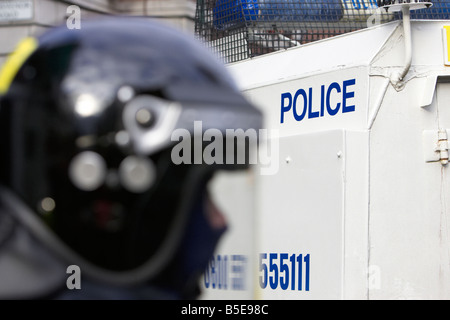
column 447, row 42
column 12, row 65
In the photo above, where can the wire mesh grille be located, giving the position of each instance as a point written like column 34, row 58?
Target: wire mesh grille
column 241, row 29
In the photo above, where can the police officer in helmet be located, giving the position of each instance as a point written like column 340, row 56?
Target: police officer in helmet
column 87, row 178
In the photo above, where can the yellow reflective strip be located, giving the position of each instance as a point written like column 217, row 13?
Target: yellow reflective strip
column 447, row 35
column 12, row 65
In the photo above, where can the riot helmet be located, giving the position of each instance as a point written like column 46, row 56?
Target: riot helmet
column 87, row 140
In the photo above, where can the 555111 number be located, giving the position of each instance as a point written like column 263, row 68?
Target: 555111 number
column 284, row 271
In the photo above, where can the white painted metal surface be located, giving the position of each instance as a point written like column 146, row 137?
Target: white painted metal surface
column 361, row 199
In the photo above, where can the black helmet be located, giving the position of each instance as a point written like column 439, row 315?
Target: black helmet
column 86, row 124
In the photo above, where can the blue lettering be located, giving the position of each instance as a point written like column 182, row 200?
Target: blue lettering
column 356, row 5
column 322, row 100
column 364, row 5
column 223, row 273
column 285, row 271
column 361, row 4
column 285, row 108
column 238, row 272
column 332, row 98
column 330, row 110
column 347, row 95
column 345, row 4
column 310, row 113
column 305, row 100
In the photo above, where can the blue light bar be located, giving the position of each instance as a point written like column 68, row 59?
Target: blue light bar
column 228, row 13
column 439, row 11
column 300, row 10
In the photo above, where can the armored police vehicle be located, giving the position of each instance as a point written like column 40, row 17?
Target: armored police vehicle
column 350, row 196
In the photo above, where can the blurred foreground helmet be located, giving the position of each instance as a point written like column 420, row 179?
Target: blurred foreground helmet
column 88, row 161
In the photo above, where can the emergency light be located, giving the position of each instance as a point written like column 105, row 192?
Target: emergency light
column 303, row 10
column 229, row 13
column 241, row 29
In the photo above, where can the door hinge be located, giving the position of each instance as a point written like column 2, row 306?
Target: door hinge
column 435, row 146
